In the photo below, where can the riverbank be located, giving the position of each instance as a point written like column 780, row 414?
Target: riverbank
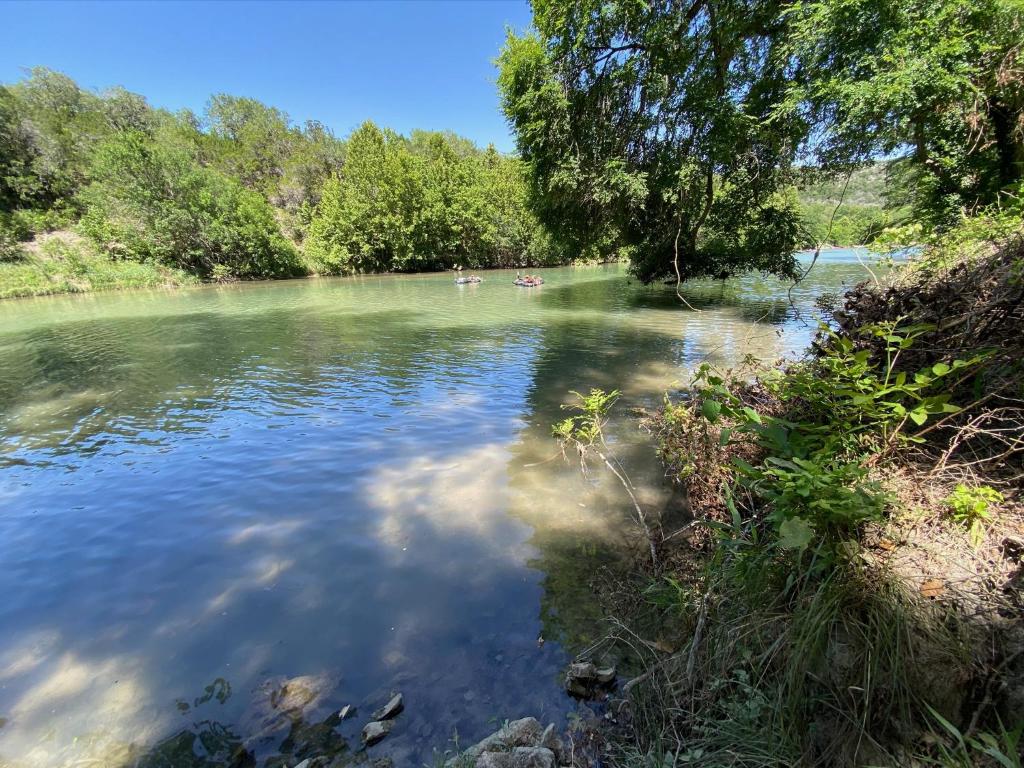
column 850, row 590
column 62, row 262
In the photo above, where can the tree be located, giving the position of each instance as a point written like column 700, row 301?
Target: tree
column 649, row 129
column 364, row 222
column 250, row 140
column 937, row 82
column 151, row 201
column 60, row 123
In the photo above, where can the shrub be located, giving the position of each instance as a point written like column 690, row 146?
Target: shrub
column 151, row 201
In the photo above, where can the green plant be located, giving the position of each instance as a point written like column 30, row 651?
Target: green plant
column 1003, row 747
column 834, row 416
column 970, row 507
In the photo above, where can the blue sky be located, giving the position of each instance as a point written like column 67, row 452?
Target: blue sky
column 402, row 64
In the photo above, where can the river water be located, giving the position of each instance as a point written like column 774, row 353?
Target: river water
column 227, row 512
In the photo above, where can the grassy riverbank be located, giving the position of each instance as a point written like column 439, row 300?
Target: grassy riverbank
column 850, row 593
column 64, row 263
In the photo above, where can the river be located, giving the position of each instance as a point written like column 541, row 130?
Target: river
column 228, row 511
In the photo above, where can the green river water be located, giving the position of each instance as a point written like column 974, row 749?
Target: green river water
column 227, row 512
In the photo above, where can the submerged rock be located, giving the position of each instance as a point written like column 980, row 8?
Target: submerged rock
column 345, row 712
column 392, row 708
column 375, row 731
column 553, row 741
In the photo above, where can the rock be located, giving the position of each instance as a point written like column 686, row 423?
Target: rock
column 553, row 741
column 382, row 762
column 375, row 731
column 588, row 717
column 520, row 757
column 392, row 708
column 304, row 764
column 582, row 679
column 582, row 670
column 518, row 733
column 345, row 712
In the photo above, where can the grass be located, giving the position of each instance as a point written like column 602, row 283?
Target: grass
column 64, row 263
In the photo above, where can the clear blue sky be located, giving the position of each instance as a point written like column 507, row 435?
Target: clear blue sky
column 404, row 65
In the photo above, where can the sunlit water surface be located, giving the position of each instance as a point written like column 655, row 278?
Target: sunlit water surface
column 227, row 512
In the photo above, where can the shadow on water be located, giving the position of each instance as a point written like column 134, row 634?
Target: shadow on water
column 280, row 488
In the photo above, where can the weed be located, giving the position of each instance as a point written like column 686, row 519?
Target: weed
column 970, row 508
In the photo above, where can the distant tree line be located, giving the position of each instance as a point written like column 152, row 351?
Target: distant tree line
column 241, row 191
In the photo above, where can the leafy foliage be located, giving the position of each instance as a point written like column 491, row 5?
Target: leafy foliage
column 835, row 415
column 150, row 201
column 672, row 132
column 432, row 201
column 970, row 507
column 934, row 81
column 646, row 131
column 236, row 191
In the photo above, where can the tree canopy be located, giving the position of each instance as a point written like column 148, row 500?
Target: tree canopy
column 242, row 191
column 672, row 131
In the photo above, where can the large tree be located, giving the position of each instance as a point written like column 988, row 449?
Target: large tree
column 650, row 129
column 669, row 130
column 936, row 83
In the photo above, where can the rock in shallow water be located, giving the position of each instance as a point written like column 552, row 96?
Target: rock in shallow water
column 553, row 741
column 518, row 733
column 582, row 679
column 375, row 731
column 392, row 708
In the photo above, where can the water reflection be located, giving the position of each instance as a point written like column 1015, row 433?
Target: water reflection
column 344, row 482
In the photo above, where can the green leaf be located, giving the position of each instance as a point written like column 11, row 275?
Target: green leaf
column 710, row 409
column 918, row 416
column 941, row 369
column 795, row 533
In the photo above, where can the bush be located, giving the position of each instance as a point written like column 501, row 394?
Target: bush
column 820, row 425
column 151, row 201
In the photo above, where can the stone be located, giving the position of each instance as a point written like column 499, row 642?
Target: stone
column 583, row 670
column 345, row 712
column 525, row 732
column 304, row 764
column 520, row 757
column 392, row 708
column 375, row 731
column 583, row 678
column 553, row 741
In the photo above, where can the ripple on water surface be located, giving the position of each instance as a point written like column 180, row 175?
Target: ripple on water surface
column 213, row 501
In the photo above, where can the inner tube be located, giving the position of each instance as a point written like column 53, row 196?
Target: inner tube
column 524, row 283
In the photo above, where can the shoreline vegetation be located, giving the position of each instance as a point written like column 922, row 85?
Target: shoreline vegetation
column 100, row 191
column 849, row 592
